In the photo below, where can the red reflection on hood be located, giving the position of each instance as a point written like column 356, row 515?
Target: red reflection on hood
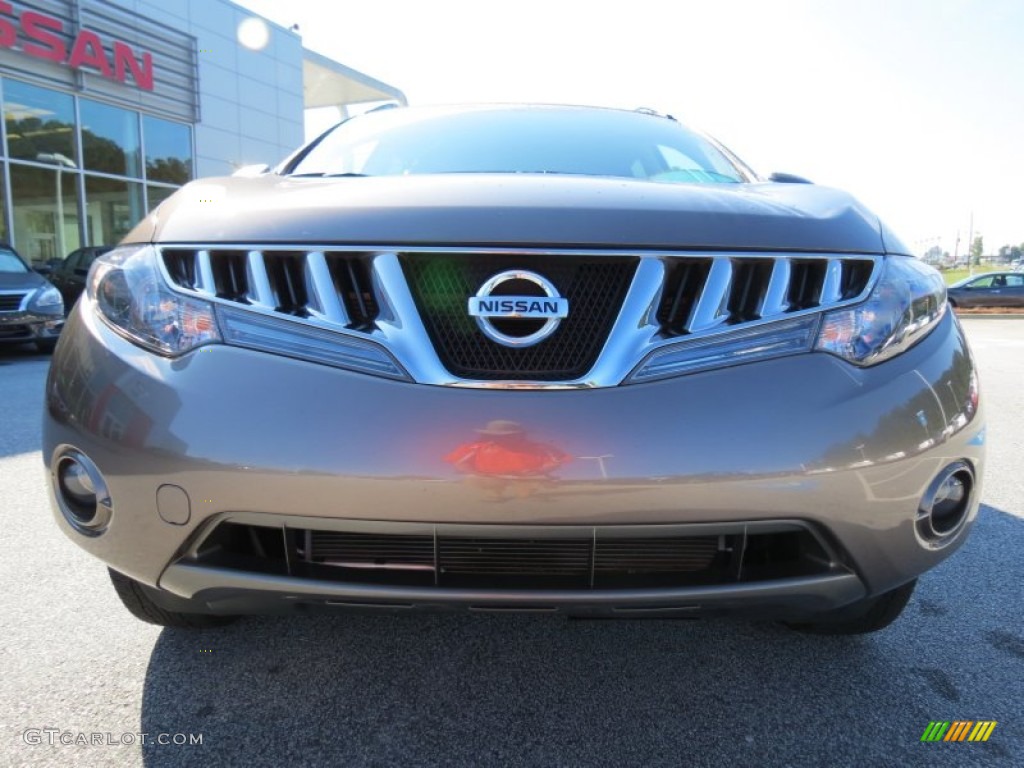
column 506, row 450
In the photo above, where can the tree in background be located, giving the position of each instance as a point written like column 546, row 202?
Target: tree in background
column 1009, row 253
column 933, row 255
column 977, row 249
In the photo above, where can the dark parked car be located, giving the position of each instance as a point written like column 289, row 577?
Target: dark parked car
column 69, row 275
column 995, row 289
column 31, row 309
column 514, row 358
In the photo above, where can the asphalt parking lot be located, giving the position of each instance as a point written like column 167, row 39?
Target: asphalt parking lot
column 508, row 689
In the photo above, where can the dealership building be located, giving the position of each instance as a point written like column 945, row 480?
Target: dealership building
column 110, row 105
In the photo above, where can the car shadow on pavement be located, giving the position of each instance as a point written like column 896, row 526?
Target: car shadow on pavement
column 12, row 353
column 514, row 689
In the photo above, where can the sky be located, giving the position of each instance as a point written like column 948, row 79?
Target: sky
column 914, row 106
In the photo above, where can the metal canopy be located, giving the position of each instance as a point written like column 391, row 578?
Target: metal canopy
column 326, row 83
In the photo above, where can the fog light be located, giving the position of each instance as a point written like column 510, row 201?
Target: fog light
column 81, row 492
column 944, row 506
column 76, row 483
column 949, row 501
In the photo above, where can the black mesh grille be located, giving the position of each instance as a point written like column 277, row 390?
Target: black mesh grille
column 595, row 287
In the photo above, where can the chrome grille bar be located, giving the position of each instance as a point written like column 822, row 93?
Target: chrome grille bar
column 204, row 273
column 775, row 300
column 710, row 310
column 832, row 289
column 260, row 292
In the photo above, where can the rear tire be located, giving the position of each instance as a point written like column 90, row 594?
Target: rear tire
column 140, row 604
column 868, row 615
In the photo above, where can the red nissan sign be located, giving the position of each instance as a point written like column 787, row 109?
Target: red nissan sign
column 41, row 37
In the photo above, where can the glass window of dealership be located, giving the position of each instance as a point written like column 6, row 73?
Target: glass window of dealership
column 111, row 105
column 77, row 171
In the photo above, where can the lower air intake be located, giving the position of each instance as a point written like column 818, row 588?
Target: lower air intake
column 571, row 558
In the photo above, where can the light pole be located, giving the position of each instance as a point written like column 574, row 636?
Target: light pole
column 600, row 463
column 970, row 248
column 62, row 162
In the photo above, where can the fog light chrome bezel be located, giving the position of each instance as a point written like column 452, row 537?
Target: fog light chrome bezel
column 931, row 535
column 89, row 519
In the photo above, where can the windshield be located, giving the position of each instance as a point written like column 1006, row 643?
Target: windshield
column 10, row 263
column 589, row 142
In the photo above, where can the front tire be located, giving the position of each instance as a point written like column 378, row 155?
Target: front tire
column 137, row 599
column 868, row 615
column 46, row 346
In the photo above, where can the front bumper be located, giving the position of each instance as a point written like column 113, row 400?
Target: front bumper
column 231, row 593
column 30, row 325
column 846, row 452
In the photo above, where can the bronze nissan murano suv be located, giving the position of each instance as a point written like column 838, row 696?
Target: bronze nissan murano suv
column 514, row 357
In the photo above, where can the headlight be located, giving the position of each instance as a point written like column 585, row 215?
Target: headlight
column 908, row 301
column 130, row 294
column 48, row 296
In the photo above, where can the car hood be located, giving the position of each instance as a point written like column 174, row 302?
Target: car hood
column 21, row 281
column 508, row 210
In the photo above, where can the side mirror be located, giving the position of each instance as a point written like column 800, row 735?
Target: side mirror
column 788, row 178
column 45, row 269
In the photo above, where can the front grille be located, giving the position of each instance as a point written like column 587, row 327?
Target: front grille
column 675, row 554
column 442, row 283
column 578, row 558
column 367, row 550
column 332, row 286
column 11, row 302
column 552, row 563
column 702, row 292
column 415, row 302
column 15, row 332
